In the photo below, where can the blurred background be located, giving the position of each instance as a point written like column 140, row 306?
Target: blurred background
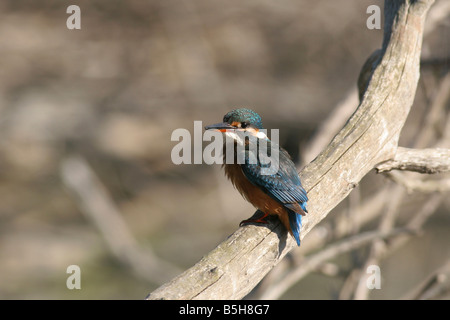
column 86, row 118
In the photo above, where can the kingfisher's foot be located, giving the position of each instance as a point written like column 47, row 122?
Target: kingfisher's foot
column 261, row 219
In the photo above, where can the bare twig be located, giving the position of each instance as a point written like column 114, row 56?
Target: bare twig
column 328, row 129
column 97, row 205
column 427, row 186
column 314, row 261
column 434, row 114
column 417, row 221
column 381, row 250
column 378, row 246
column 367, row 212
column 435, row 286
column 419, row 160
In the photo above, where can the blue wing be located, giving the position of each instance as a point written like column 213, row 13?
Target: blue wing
column 284, row 185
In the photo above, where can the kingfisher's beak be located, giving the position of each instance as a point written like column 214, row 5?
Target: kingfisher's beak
column 222, row 127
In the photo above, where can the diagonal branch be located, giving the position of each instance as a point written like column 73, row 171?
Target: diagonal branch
column 436, row 286
column 95, row 202
column 235, row 267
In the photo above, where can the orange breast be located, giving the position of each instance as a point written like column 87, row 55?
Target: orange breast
column 255, row 195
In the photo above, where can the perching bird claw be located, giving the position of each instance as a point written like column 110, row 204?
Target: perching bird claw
column 262, row 219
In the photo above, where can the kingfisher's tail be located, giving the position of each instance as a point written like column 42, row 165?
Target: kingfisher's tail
column 295, row 222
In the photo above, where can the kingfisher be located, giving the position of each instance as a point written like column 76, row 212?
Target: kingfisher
column 277, row 193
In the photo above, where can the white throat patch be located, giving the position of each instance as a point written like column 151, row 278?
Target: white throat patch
column 233, row 135
column 239, row 137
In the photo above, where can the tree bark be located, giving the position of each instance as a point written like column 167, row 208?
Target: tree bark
column 419, row 160
column 235, row 267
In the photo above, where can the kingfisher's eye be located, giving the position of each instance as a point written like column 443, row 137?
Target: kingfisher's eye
column 244, row 125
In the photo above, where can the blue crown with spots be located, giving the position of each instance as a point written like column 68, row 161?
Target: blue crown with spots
column 244, row 115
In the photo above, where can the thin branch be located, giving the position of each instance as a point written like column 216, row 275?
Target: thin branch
column 95, row 202
column 419, row 160
column 378, row 247
column 381, row 250
column 328, row 129
column 419, row 185
column 434, row 114
column 435, row 286
column 332, row 251
column 417, row 221
column 367, row 211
